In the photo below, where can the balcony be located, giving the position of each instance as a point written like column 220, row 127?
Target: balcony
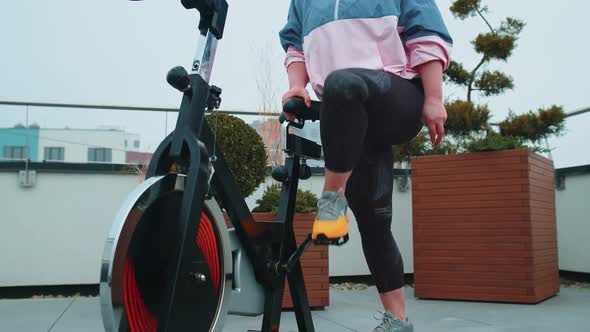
column 56, row 220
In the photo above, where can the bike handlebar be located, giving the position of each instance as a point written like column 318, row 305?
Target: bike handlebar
column 213, row 15
column 297, row 107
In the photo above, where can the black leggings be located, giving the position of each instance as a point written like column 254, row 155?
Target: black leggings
column 365, row 112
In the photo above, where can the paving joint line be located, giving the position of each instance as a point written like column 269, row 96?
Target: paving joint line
column 339, row 324
column 61, row 315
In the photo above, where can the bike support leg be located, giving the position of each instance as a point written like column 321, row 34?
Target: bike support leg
column 274, row 295
column 299, row 294
column 273, row 306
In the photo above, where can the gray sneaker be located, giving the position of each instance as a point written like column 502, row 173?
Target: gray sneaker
column 390, row 323
column 331, row 223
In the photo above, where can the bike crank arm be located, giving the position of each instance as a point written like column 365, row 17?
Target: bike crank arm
column 288, row 266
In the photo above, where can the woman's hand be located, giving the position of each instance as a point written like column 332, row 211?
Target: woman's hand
column 296, row 92
column 434, row 116
column 434, row 113
column 298, row 80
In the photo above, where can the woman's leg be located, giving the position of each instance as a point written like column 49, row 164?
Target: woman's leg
column 356, row 100
column 369, row 193
column 390, row 114
column 343, row 123
column 335, row 181
column 395, row 302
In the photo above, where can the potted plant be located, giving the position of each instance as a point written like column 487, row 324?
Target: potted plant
column 243, row 150
column 484, row 202
column 315, row 260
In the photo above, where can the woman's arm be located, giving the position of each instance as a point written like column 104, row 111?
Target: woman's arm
column 292, row 43
column 429, row 47
column 434, row 113
column 298, row 80
column 298, row 77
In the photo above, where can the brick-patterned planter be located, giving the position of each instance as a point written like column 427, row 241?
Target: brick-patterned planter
column 484, row 227
column 314, row 263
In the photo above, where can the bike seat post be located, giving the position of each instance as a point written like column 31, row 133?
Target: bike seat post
column 197, row 92
column 205, row 56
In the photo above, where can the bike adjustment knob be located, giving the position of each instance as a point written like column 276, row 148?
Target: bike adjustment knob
column 280, row 174
column 178, row 78
column 304, row 172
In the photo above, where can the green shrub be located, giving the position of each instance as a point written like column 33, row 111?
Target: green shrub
column 307, row 202
column 456, row 74
column 421, row 146
column 464, row 117
column 413, row 148
column 465, row 8
column 534, row 126
column 269, row 202
column 495, row 46
column 496, row 142
column 243, row 150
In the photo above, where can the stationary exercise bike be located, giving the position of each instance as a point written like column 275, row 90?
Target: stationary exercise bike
column 170, row 262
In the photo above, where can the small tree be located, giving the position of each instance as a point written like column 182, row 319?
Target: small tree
column 468, row 125
column 305, row 202
column 243, row 150
column 497, row 44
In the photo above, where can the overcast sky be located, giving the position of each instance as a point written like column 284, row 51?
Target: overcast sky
column 117, row 52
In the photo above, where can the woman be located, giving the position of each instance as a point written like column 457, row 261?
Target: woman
column 377, row 67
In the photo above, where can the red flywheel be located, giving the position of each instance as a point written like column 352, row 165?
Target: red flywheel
column 140, row 319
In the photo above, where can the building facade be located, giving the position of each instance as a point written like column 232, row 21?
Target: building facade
column 270, row 131
column 69, row 145
column 140, row 158
column 82, row 145
column 19, row 143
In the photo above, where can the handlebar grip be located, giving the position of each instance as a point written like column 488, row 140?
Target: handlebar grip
column 282, row 117
column 297, row 107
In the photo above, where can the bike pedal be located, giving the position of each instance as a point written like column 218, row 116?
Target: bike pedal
column 322, row 240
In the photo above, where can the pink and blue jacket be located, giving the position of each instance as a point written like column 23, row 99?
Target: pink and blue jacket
column 395, row 36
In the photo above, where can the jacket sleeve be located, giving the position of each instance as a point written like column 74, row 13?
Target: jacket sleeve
column 424, row 33
column 291, row 37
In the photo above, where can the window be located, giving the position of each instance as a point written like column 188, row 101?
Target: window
column 136, row 144
column 16, row 152
column 54, row 154
column 100, row 155
column 126, row 144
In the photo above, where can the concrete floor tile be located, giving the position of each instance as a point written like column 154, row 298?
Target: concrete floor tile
column 31, row 315
column 348, row 311
column 82, row 315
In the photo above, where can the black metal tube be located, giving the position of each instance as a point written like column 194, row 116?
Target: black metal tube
column 288, row 266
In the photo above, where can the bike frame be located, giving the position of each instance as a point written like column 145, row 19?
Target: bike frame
column 269, row 246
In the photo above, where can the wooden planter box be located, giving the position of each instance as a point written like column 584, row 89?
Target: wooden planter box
column 484, row 227
column 314, row 263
